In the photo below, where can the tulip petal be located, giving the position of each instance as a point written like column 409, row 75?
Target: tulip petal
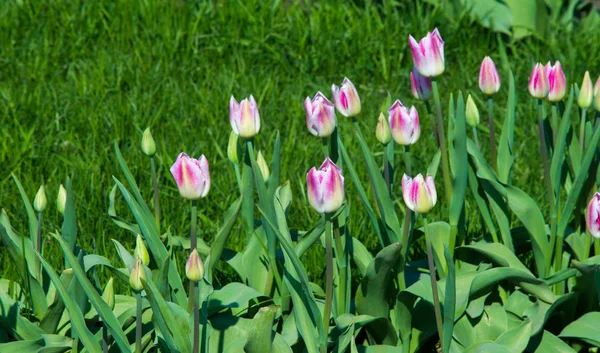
column 407, row 183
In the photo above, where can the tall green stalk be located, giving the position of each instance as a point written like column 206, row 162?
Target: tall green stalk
column 434, row 289
column 193, row 245
column 343, row 270
column 138, row 322
column 442, row 140
column 475, row 137
column 408, row 212
column 248, row 190
column 196, row 343
column 329, row 275
column 544, row 153
column 39, row 244
column 555, row 122
column 492, row 132
column 386, row 171
column 156, row 198
column 582, row 129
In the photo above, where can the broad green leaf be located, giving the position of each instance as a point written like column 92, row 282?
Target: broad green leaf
column 517, row 338
column 310, row 237
column 461, row 170
column 586, row 328
column 234, row 295
column 13, row 322
column 488, row 347
column 449, row 299
column 528, row 17
column 550, row 344
column 558, row 156
column 32, row 218
column 361, row 256
column 46, row 344
column 216, row 250
column 260, row 332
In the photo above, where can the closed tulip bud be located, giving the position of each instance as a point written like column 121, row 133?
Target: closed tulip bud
column 489, row 80
column 61, row 199
column 428, row 54
column 141, row 251
column 586, row 93
column 538, row 82
column 472, row 113
column 192, row 176
column 404, row 124
column 138, row 273
column 40, row 202
column 194, row 269
column 346, row 99
column 419, row 194
column 262, row 165
column 556, row 81
column 597, row 95
column 325, row 187
column 320, row 115
column 148, row 145
column 232, row 148
column 420, row 85
column 244, row 117
column 382, row 132
column 592, row 216
column 108, row 295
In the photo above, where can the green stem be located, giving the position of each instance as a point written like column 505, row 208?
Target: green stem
column 476, row 138
column 492, row 133
column 554, row 122
column 434, row 289
column 156, row 199
column 386, row 170
column 193, row 245
column 582, row 129
column 407, row 213
column 544, row 152
column 329, row 276
column 39, row 243
column 587, row 246
column 553, row 233
column 196, row 343
column 138, row 323
column 442, row 140
column 325, row 144
column 341, row 258
column 248, row 191
column 596, row 247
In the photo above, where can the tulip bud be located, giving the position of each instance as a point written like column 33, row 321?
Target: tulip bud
column 138, row 273
column 597, row 95
column 382, row 132
column 141, row 251
column 419, row 194
column 61, row 199
column 538, row 82
column 232, row 148
column 592, row 216
column 472, row 113
column 244, row 117
column 586, row 93
column 108, row 295
column 420, row 85
column 320, row 115
column 148, row 145
column 194, row 269
column 556, row 81
column 346, row 99
column 192, row 176
column 325, row 187
column 428, row 54
column 489, row 80
column 40, row 202
column 404, row 124
column 262, row 165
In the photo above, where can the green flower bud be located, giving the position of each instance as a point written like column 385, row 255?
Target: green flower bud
column 586, row 93
column 61, row 199
column 138, row 273
column 40, row 202
column 472, row 113
column 194, row 269
column 141, row 251
column 108, row 295
column 232, row 148
column 383, row 132
column 148, row 145
column 262, row 165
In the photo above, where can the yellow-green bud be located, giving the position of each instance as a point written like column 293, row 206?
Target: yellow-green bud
column 148, row 145
column 472, row 113
column 40, row 202
column 586, row 93
column 61, row 199
column 138, row 273
column 108, row 295
column 194, row 269
column 232, row 148
column 262, row 165
column 383, row 132
column 141, row 251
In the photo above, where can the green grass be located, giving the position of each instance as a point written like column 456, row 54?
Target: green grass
column 78, row 76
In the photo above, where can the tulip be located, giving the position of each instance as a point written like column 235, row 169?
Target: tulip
column 586, row 93
column 61, row 199
column 538, row 82
column 420, row 85
column 244, row 117
column 404, row 124
column 592, row 216
column 489, row 80
column 471, row 112
column 262, row 166
column 556, row 81
column 419, row 194
column 346, row 99
column 597, row 95
column 382, row 132
column 194, row 269
column 192, row 176
column 148, row 145
column 325, row 187
column 141, row 251
column 40, row 202
column 138, row 273
column 320, row 115
column 428, row 54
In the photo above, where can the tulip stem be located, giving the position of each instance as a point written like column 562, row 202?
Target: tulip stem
column 432, row 276
column 407, row 213
column 329, row 276
column 325, row 144
column 555, row 123
column 138, row 323
column 587, row 246
column 475, row 137
column 196, row 344
column 582, row 129
column 386, row 170
column 248, row 190
column 442, row 140
column 39, row 243
column 596, row 247
column 343, row 269
column 193, row 245
column 492, row 131
column 156, row 199
column 544, row 152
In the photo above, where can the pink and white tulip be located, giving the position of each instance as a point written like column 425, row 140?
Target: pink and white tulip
column 489, row 80
column 244, row 117
column 325, row 187
column 420, row 85
column 428, row 54
column 320, row 115
column 404, row 124
column 556, row 81
column 192, row 176
column 419, row 193
column 538, row 82
column 592, row 216
column 346, row 99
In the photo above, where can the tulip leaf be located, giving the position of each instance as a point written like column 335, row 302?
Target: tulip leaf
column 216, row 250
column 260, row 334
column 46, row 344
column 549, row 344
column 505, row 149
column 449, row 298
column 460, row 162
column 586, row 328
column 69, row 226
column 517, row 338
column 33, row 223
column 558, row 156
